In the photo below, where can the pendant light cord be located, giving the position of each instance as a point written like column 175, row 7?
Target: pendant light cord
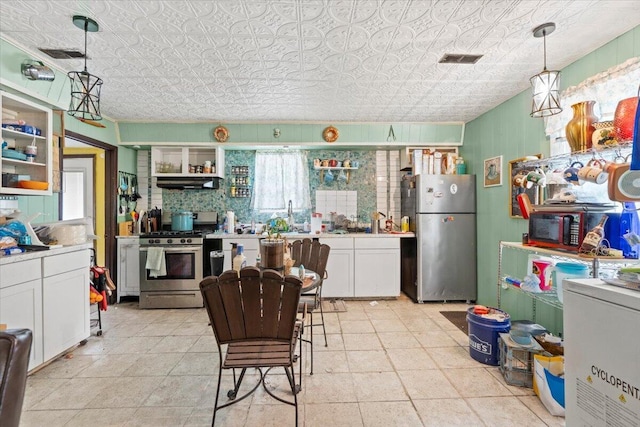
column 544, row 43
column 86, row 29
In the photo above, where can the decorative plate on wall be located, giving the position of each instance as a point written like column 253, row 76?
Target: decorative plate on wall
column 330, row 134
column 221, row 134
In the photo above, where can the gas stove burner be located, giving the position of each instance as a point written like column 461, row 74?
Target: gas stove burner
column 171, row 238
column 168, row 233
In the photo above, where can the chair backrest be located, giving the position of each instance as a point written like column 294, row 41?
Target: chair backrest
column 312, row 254
column 15, row 347
column 252, row 305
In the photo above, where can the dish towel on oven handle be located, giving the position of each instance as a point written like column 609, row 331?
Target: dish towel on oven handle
column 156, row 263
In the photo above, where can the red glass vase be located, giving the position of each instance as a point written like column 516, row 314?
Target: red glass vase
column 623, row 119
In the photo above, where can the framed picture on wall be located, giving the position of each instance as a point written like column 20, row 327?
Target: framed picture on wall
column 493, row 171
column 517, row 167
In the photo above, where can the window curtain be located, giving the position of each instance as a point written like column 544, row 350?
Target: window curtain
column 606, row 88
column 281, row 176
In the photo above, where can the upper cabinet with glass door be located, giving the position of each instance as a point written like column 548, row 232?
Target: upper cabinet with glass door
column 26, row 160
column 192, row 161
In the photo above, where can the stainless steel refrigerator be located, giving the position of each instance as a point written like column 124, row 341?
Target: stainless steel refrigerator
column 442, row 211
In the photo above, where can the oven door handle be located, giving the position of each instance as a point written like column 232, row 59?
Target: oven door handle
column 182, row 249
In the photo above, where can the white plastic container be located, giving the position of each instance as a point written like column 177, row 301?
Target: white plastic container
column 316, row 223
column 231, row 221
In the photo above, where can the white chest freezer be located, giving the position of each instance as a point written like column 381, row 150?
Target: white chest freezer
column 602, row 354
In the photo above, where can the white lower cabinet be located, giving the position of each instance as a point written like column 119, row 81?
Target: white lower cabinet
column 50, row 296
column 65, row 311
column 362, row 267
column 358, row 267
column 128, row 279
column 21, row 307
column 377, row 267
column 250, row 248
column 339, row 282
column 65, row 307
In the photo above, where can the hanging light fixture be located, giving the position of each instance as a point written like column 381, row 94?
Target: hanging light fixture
column 85, row 87
column 546, row 84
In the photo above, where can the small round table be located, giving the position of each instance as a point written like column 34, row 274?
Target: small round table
column 311, row 279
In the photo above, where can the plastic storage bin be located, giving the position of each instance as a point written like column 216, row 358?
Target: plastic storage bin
column 483, row 336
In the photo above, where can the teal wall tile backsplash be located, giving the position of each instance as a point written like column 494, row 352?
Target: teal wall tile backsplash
column 362, row 180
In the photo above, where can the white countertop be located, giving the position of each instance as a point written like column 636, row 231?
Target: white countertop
column 303, row 235
column 8, row 259
column 296, row 235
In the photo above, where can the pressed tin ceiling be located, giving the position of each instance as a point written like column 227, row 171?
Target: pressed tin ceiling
column 312, row 60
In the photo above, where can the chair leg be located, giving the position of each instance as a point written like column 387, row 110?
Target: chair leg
column 232, row 394
column 300, row 359
column 294, row 391
column 323, row 329
column 311, row 341
column 215, row 405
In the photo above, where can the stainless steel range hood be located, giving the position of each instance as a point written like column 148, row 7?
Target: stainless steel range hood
column 188, row 183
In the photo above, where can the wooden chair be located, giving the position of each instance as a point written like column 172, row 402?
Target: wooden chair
column 15, row 348
column 255, row 314
column 314, row 256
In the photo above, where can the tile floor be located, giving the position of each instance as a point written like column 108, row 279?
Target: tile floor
column 392, row 364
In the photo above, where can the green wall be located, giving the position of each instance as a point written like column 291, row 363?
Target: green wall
column 367, row 133
column 127, row 160
column 508, row 130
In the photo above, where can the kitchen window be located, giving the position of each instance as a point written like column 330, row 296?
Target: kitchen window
column 281, row 176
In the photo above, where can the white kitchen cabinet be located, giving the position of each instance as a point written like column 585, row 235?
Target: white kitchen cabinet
column 377, row 267
column 13, row 166
column 65, row 296
column 358, row 267
column 128, row 279
column 175, row 161
column 21, row 302
column 250, row 247
column 47, row 292
column 340, row 268
column 406, row 158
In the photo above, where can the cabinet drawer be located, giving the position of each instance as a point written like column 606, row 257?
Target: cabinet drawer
column 377, row 243
column 62, row 263
column 20, row 272
column 338, row 242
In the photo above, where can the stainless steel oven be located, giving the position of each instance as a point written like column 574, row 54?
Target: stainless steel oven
column 183, row 256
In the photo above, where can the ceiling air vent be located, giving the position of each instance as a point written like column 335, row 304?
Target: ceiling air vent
column 450, row 58
column 62, row 53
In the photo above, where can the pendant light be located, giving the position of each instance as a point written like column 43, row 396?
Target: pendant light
column 546, row 84
column 85, row 87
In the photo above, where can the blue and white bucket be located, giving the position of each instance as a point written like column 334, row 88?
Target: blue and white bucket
column 483, row 336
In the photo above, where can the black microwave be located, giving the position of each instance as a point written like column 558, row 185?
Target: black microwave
column 561, row 230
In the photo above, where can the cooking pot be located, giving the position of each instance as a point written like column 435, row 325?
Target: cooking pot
column 182, row 221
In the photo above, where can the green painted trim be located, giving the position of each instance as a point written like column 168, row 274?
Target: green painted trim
column 292, row 133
